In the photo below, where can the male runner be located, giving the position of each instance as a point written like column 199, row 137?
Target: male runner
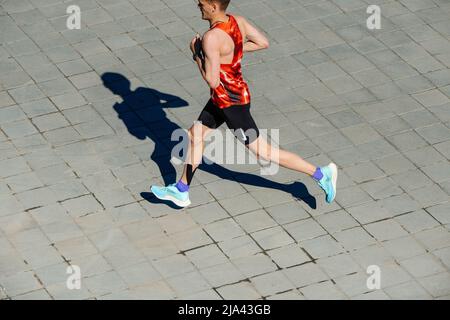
column 218, row 56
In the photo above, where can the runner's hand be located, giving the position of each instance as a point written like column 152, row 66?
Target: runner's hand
column 196, row 45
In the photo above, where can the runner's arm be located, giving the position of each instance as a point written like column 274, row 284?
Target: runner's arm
column 209, row 66
column 255, row 38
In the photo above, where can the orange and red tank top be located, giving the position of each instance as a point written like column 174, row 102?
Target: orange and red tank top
column 232, row 90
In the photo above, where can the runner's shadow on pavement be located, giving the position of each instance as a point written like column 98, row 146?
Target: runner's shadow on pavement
column 296, row 189
column 142, row 112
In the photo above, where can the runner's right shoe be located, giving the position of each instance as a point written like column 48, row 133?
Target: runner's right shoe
column 328, row 182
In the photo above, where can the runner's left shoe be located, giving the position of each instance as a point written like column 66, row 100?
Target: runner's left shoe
column 172, row 193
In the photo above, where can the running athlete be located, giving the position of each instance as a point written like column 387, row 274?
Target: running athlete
column 218, row 55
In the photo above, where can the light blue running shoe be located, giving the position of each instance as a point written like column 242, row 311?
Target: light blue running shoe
column 328, row 182
column 172, row 193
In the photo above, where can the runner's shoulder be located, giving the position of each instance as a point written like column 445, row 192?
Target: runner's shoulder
column 242, row 22
column 239, row 18
column 211, row 35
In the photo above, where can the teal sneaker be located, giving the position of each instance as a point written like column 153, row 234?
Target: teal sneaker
column 172, row 193
column 328, row 182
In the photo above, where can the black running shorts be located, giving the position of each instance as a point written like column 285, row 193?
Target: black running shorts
column 237, row 118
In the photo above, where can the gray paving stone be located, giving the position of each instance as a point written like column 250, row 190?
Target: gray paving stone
column 443, row 255
column 18, row 129
column 304, row 229
column 61, row 230
column 354, row 238
column 123, row 256
column 54, row 274
column 272, row 238
column 287, row 212
column 192, row 238
column 400, row 204
column 203, row 295
column 438, row 171
column 386, row 230
column 369, row 212
column 352, row 196
column 444, row 148
column 23, row 182
column 40, row 294
column 321, row 247
column 408, row 291
column 239, row 204
column 239, row 247
column 207, row 256
column 440, row 213
column 364, row 172
column 403, row 248
column 82, row 205
column 49, row 214
column 423, row 265
column 224, row 230
column 433, row 239
column 95, row 222
column 288, row 256
column 37, row 197
column 11, row 114
column 50, row 122
column 188, row 284
column 26, row 93
column 437, row 285
column 382, row 188
column 417, row 221
column 271, row 283
column 222, row 274
column 173, row 265
column 338, row 265
column 254, row 265
column 242, row 290
column 435, row 133
column 68, row 100
column 38, row 107
column 425, row 156
column 105, row 283
column 11, row 167
column 305, row 275
column 255, row 221
column 29, row 238
column 336, row 221
column 20, row 283
column 176, row 223
column 322, row 291
column 430, row 195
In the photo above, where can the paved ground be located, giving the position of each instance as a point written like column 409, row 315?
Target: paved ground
column 76, row 160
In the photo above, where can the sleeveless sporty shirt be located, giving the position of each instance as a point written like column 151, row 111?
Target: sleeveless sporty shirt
column 232, row 90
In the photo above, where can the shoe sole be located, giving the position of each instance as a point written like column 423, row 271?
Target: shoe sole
column 181, row 204
column 334, row 176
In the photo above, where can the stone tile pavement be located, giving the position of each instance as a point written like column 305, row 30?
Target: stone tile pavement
column 80, row 148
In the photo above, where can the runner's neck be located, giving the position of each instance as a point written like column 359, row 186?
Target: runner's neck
column 221, row 20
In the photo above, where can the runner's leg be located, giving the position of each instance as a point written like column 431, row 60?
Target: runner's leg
column 197, row 134
column 261, row 148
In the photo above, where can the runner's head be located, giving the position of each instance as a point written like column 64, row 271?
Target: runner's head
column 210, row 8
column 117, row 83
